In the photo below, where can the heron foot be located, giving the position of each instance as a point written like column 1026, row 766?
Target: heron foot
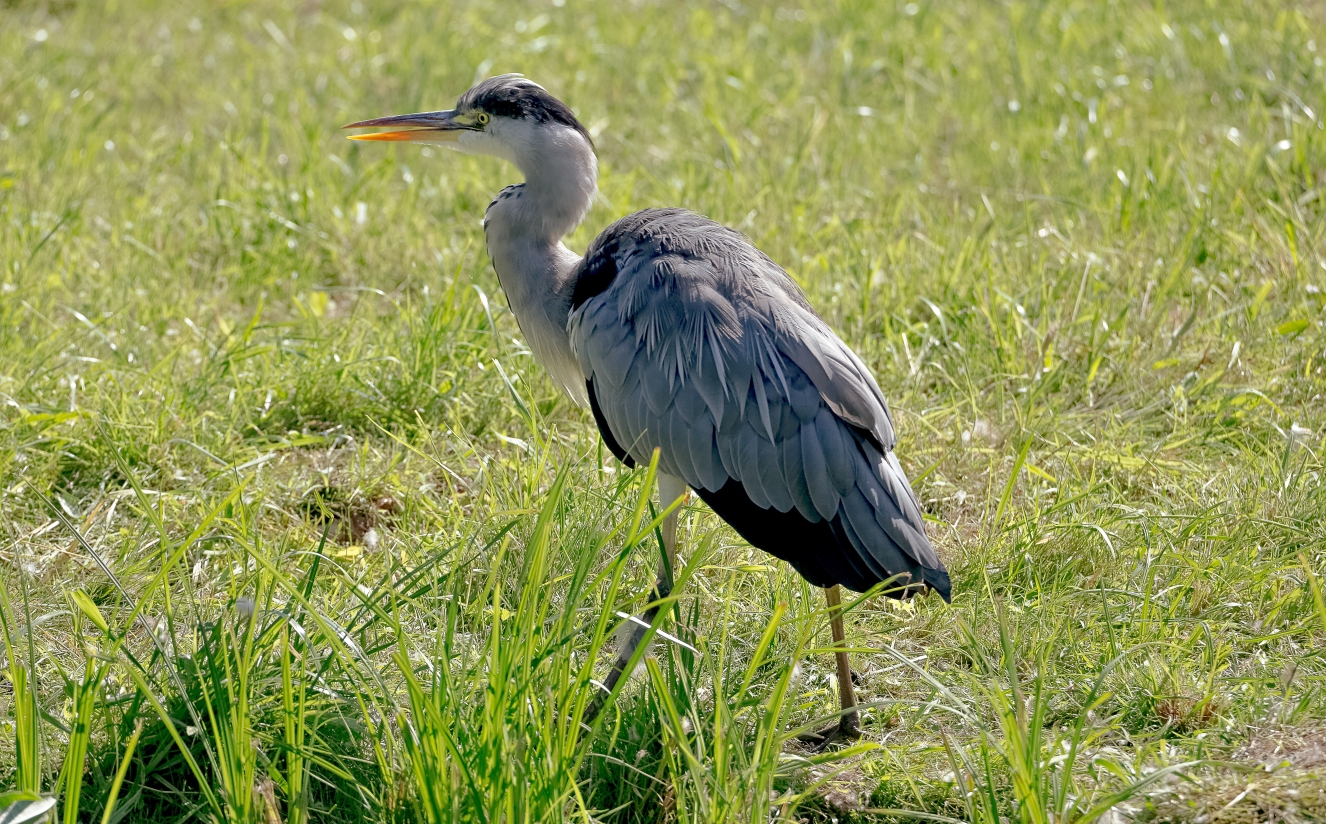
column 840, row 734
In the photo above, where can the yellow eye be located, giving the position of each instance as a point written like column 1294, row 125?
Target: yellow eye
column 481, row 118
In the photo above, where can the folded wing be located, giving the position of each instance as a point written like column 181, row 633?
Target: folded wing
column 693, row 342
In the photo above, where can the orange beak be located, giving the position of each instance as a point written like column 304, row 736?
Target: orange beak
column 423, row 127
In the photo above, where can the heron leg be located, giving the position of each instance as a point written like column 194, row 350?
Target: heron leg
column 669, row 490
column 849, row 722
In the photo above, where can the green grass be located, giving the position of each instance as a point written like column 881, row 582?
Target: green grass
column 294, row 528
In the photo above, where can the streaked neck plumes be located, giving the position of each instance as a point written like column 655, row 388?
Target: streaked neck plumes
column 561, row 174
column 524, row 228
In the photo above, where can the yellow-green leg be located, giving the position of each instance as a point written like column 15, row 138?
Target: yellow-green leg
column 849, row 722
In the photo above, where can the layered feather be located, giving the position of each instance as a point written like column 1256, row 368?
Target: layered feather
column 695, row 343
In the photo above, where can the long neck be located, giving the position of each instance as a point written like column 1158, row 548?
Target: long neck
column 524, row 228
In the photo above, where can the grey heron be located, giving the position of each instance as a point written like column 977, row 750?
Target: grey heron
column 681, row 336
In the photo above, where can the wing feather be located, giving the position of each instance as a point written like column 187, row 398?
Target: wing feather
column 748, row 460
column 837, row 460
column 818, row 486
column 688, row 401
column 796, row 479
column 762, row 405
column 677, row 436
column 771, row 477
column 876, row 548
column 708, row 379
column 862, row 559
column 704, row 457
column 611, row 360
column 700, row 346
column 805, row 400
column 843, row 381
column 637, row 435
column 657, row 391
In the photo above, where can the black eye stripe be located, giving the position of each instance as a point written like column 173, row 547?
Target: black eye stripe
column 514, row 96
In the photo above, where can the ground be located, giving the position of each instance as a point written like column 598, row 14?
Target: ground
column 295, row 529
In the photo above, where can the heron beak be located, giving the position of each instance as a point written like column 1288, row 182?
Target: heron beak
column 424, row 127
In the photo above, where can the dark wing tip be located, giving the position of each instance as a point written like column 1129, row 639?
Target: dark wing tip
column 937, row 580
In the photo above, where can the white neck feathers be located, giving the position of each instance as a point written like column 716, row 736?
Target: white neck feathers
column 524, row 228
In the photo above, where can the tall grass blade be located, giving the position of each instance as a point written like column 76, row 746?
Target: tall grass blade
column 27, row 715
column 121, row 771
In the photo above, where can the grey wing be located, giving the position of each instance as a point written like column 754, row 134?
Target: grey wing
column 697, row 348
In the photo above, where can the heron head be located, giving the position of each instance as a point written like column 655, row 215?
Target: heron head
column 507, row 116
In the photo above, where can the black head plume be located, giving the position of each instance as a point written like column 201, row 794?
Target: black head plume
column 515, row 96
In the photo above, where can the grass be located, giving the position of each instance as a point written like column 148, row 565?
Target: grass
column 295, row 529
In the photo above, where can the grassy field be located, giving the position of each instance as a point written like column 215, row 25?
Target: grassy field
column 295, row 529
